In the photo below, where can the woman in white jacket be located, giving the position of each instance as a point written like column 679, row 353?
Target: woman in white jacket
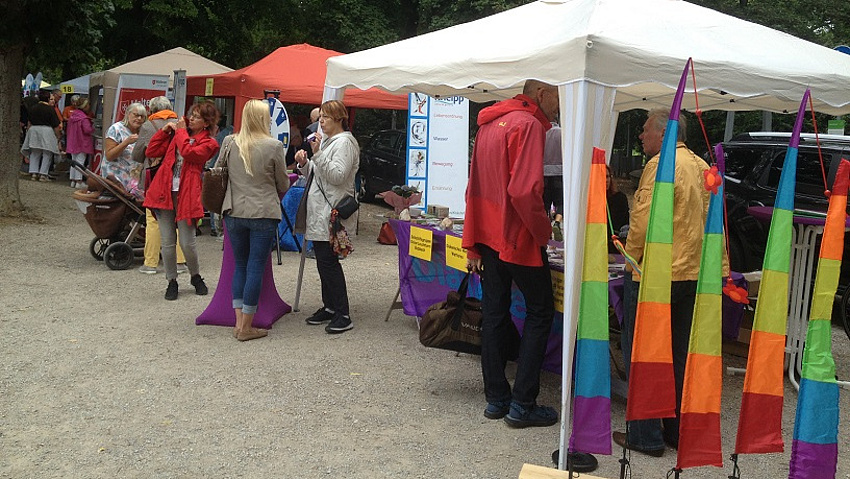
column 330, row 172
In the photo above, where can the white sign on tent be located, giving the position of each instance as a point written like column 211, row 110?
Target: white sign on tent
column 437, row 150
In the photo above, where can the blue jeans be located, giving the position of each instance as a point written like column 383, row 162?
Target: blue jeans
column 251, row 240
column 651, row 433
column 535, row 284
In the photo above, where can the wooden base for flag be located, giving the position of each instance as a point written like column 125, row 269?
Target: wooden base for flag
column 530, row 471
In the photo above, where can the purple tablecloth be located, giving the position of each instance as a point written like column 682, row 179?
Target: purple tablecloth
column 423, row 283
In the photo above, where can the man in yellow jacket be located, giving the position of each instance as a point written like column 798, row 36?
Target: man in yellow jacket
column 690, row 207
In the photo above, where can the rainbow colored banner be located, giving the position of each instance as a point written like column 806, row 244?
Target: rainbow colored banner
column 814, row 451
column 699, row 425
column 592, row 403
column 652, row 387
column 760, row 423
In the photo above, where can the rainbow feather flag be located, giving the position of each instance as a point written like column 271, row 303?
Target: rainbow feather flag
column 760, row 423
column 699, row 425
column 592, row 402
column 814, row 450
column 652, row 388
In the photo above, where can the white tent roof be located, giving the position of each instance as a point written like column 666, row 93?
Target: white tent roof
column 166, row 62
column 638, row 47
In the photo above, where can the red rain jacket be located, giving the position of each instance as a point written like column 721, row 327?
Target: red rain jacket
column 504, row 196
column 196, row 151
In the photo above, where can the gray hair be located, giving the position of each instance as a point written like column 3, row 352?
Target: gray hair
column 660, row 116
column 137, row 108
column 159, row 103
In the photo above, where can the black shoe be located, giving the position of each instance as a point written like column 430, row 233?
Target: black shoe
column 579, row 461
column 171, row 291
column 620, row 439
column 532, row 416
column 497, row 409
column 321, row 315
column 339, row 324
column 200, row 286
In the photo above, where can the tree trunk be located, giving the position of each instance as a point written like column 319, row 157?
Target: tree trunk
column 11, row 65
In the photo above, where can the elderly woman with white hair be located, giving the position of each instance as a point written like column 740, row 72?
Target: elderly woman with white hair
column 119, row 143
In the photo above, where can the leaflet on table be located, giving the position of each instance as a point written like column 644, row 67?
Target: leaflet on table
column 455, row 254
column 421, row 243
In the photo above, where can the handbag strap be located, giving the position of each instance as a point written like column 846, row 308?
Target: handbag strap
column 461, row 291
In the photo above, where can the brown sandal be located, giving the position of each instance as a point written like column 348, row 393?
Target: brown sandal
column 251, row 333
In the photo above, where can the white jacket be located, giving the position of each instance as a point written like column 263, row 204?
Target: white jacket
column 333, row 168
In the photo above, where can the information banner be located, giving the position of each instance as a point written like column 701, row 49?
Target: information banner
column 455, row 254
column 137, row 89
column 438, row 150
column 421, row 243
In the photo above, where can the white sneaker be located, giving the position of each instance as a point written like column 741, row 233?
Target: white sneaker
column 182, row 268
column 145, row 269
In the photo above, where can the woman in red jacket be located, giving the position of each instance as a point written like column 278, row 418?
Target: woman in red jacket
column 175, row 192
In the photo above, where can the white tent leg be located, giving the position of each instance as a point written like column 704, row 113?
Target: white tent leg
column 587, row 113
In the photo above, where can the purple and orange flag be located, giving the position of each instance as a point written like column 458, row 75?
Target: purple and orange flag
column 592, row 402
column 760, row 423
column 699, row 425
column 814, row 450
column 652, row 391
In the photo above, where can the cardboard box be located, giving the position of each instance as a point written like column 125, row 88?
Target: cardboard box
column 439, row 211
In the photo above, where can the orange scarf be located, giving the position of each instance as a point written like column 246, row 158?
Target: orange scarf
column 162, row 115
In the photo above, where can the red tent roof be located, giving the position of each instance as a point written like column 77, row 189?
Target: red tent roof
column 298, row 71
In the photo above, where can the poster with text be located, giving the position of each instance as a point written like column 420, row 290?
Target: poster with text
column 438, row 150
column 138, row 89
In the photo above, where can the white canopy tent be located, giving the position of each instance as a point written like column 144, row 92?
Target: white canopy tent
column 606, row 56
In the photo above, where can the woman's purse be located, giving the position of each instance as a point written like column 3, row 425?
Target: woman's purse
column 215, row 183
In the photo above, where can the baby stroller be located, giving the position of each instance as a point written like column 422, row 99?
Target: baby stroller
column 116, row 218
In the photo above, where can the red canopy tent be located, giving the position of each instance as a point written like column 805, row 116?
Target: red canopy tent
column 298, row 71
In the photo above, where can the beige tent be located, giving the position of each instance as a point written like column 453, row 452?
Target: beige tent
column 160, row 64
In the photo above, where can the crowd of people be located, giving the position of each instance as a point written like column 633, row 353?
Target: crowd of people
column 158, row 157
column 510, row 212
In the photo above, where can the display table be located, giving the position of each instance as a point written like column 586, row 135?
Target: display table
column 423, row 283
column 803, row 253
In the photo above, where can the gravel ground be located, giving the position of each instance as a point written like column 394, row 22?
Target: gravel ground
column 103, row 378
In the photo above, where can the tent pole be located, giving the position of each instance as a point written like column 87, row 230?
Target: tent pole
column 300, row 275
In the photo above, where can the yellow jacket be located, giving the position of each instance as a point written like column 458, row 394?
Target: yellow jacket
column 690, row 208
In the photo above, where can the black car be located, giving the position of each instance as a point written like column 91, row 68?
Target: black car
column 753, row 165
column 383, row 163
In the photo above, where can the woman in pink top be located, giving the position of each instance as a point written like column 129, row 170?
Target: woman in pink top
column 79, row 140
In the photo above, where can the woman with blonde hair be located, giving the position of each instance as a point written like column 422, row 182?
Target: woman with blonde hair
column 256, row 165
column 331, row 173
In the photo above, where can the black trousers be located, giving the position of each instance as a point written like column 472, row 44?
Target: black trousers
column 334, row 290
column 535, row 284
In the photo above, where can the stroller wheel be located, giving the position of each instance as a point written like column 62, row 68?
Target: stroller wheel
column 118, row 255
column 97, row 247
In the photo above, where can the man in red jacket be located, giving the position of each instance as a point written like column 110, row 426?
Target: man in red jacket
column 505, row 232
